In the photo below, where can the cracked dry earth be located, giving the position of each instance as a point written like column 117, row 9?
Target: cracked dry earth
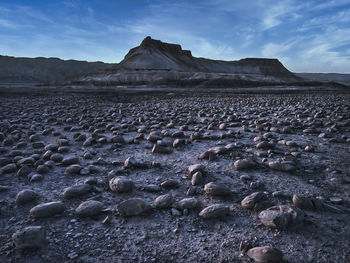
column 168, row 178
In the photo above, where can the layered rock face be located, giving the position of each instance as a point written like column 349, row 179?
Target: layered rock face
column 44, row 70
column 156, row 55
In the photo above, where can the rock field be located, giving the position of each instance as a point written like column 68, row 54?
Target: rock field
column 168, row 178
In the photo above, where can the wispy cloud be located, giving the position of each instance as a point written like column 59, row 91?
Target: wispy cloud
column 307, row 36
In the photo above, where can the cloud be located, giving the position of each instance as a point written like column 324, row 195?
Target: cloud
column 7, row 24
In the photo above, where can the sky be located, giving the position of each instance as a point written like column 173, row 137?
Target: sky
column 306, row 36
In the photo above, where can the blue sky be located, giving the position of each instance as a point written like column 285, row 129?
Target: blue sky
column 307, row 36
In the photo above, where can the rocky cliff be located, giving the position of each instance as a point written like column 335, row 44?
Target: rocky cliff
column 156, row 55
column 44, row 70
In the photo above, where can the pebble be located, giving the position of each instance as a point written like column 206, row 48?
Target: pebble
column 31, row 237
column 163, row 201
column 76, row 191
column 197, row 178
column 196, row 168
column 188, row 203
column 73, row 169
column 217, row 189
column 9, row 168
column 26, row 196
column 132, row 207
column 214, row 211
column 282, row 166
column 243, row 164
column 282, row 217
column 121, row 184
column 265, row 254
column 47, row 209
column 250, row 201
column 89, row 208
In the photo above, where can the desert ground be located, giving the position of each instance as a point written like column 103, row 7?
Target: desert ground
column 174, row 178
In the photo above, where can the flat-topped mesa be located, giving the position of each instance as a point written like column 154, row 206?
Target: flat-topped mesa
column 268, row 66
column 154, row 54
column 149, row 42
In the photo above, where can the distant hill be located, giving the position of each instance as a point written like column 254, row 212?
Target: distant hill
column 154, row 54
column 44, row 70
column 326, row 77
column 154, row 62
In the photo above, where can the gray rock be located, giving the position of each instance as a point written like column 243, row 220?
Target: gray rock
column 282, row 166
column 121, row 184
column 56, row 157
column 26, row 196
column 76, row 191
column 243, row 164
column 24, row 171
column 89, row 208
column 197, row 178
column 251, row 200
column 169, row 184
column 70, row 160
column 30, row 237
column 130, row 162
column 43, row 169
column 9, row 168
column 265, row 254
column 217, row 189
column 35, row 177
column 282, row 217
column 47, row 209
column 161, row 149
column 73, row 169
column 132, row 207
column 214, row 211
column 163, row 201
column 188, row 203
column 303, row 202
column 195, row 168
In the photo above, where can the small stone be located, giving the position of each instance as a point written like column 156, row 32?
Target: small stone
column 265, row 254
column 132, row 207
column 121, row 184
column 26, row 196
column 214, row 211
column 169, row 184
column 161, row 149
column 47, row 209
column 163, row 201
column 130, row 162
column 188, row 203
column 282, row 217
column 243, row 164
column 303, row 202
column 70, row 160
column 30, row 237
column 9, row 168
column 34, row 177
column 24, row 171
column 282, row 166
column 43, row 169
column 73, row 169
column 217, row 189
column 197, row 178
column 90, row 180
column 76, row 191
column 89, row 208
column 196, row 168
column 251, row 200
